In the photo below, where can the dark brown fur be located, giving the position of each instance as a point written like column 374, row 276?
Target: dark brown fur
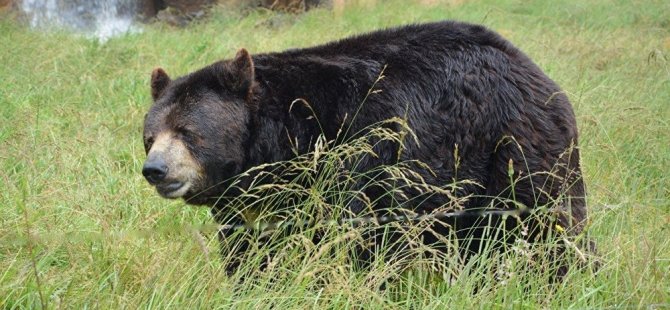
column 456, row 84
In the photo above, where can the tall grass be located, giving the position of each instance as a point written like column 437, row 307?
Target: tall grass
column 79, row 227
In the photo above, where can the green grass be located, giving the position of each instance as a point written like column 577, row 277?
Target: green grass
column 80, row 227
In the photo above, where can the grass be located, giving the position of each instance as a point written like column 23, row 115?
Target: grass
column 80, row 228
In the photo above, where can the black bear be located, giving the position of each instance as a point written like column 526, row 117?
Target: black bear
column 480, row 109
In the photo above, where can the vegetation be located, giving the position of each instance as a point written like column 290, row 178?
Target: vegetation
column 80, row 227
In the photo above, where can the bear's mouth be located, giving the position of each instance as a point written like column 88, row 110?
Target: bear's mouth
column 173, row 190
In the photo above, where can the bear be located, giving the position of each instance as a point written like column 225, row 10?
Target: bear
column 479, row 108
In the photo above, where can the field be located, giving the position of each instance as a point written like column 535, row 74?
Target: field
column 79, row 227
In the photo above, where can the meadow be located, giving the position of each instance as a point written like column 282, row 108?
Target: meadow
column 80, row 228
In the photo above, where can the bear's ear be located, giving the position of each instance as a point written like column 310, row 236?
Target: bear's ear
column 159, row 81
column 241, row 72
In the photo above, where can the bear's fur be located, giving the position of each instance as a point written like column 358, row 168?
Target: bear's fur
column 458, row 86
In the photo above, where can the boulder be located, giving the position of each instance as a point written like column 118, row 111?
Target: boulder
column 174, row 12
column 6, row 5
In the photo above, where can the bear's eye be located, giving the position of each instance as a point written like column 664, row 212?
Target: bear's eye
column 188, row 135
column 148, row 142
column 184, row 131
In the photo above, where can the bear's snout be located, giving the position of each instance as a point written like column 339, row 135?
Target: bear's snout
column 154, row 170
column 171, row 168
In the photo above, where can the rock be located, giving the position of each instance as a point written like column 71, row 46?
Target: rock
column 149, row 8
column 192, row 7
column 174, row 12
column 6, row 5
column 181, row 12
column 293, row 6
column 177, row 18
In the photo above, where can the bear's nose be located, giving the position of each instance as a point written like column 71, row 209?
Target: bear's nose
column 154, row 171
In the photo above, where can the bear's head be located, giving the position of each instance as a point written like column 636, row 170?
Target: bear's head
column 195, row 133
